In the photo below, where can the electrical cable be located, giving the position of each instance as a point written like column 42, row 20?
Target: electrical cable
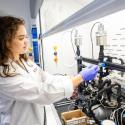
column 97, row 107
column 117, row 118
column 91, row 37
column 72, row 40
column 112, row 116
column 73, row 63
column 44, row 116
column 122, row 116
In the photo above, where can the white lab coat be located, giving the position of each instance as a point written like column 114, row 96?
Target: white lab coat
column 23, row 96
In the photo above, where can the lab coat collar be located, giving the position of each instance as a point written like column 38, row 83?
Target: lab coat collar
column 16, row 67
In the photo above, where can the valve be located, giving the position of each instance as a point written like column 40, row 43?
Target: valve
column 55, row 47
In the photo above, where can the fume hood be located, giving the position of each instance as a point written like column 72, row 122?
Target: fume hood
column 57, row 15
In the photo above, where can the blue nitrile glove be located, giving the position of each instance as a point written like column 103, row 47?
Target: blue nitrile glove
column 89, row 73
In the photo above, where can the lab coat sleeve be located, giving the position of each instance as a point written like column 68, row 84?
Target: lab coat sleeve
column 59, row 81
column 48, row 90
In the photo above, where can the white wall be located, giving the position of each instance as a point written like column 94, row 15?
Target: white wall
column 115, row 27
column 66, row 63
column 19, row 8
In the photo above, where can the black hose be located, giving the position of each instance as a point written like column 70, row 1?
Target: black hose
column 44, row 116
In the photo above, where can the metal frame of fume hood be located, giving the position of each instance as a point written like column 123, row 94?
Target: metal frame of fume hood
column 112, row 66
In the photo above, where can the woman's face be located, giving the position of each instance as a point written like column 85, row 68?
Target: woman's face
column 19, row 43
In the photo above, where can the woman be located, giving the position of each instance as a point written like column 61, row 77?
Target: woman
column 24, row 87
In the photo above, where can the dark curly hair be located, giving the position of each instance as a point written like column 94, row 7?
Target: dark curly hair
column 8, row 28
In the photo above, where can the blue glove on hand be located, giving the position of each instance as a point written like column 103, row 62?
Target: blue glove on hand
column 89, row 73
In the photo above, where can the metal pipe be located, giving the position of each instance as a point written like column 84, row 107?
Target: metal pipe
column 112, row 66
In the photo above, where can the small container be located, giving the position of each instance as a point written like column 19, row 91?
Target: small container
column 108, row 122
column 74, row 117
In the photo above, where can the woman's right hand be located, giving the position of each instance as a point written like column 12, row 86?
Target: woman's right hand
column 89, row 73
